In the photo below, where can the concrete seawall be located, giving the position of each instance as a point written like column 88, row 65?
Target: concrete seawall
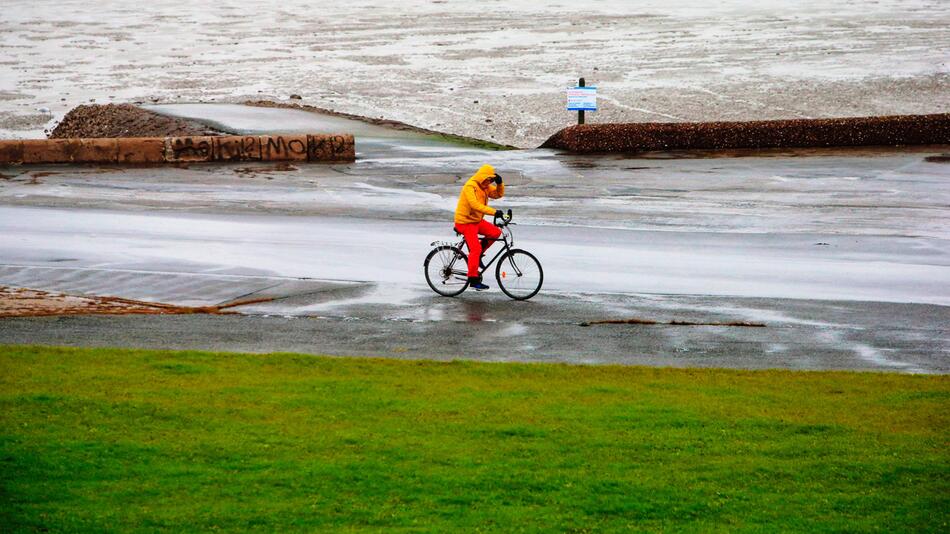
column 136, row 150
column 893, row 130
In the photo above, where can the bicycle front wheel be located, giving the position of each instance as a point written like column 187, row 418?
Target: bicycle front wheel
column 519, row 274
column 446, row 270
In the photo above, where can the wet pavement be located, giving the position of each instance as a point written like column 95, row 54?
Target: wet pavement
column 799, row 334
column 215, row 257
column 845, row 257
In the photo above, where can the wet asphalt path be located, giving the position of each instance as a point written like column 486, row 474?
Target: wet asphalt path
column 844, row 257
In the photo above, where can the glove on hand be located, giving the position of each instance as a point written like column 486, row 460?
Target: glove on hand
column 497, row 178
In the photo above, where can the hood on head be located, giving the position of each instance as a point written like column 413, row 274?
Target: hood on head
column 483, row 174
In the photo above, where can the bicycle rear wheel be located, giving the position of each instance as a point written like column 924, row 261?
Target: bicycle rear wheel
column 519, row 274
column 446, row 270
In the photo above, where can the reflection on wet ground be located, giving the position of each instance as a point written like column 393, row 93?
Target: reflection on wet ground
column 336, row 286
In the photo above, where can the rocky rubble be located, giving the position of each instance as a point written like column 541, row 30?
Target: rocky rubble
column 123, row 120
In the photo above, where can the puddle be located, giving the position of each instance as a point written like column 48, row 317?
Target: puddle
column 674, row 322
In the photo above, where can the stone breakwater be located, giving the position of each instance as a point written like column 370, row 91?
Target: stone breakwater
column 893, row 130
column 195, row 149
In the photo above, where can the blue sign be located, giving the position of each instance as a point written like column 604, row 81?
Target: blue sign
column 582, row 99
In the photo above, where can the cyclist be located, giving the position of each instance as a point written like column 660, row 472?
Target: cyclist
column 472, row 206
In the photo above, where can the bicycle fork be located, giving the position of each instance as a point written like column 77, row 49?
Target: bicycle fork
column 511, row 260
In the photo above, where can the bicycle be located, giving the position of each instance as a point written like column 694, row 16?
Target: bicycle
column 518, row 272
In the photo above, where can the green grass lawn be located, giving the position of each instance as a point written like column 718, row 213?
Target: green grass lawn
column 121, row 440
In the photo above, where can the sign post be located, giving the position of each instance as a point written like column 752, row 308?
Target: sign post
column 581, row 99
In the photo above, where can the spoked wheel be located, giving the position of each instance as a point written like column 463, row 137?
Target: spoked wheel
column 519, row 274
column 446, row 269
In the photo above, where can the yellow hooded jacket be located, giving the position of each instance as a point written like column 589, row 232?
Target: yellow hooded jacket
column 473, row 201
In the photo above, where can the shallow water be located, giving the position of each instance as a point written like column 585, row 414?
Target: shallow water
column 454, row 66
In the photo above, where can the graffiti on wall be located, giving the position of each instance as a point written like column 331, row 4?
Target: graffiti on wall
column 235, row 148
column 189, row 149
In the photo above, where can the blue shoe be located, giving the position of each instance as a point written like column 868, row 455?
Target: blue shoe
column 477, row 285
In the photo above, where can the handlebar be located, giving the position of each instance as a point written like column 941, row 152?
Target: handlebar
column 503, row 220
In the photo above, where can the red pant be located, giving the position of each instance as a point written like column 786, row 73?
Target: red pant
column 475, row 246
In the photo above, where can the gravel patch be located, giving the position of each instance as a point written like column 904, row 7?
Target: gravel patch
column 24, row 302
